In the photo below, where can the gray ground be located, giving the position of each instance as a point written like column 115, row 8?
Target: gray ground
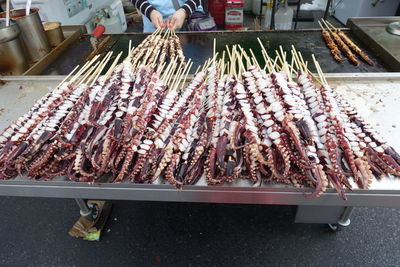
column 34, row 232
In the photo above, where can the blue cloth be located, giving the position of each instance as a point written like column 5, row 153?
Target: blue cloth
column 165, row 7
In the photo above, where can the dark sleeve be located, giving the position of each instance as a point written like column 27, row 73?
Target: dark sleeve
column 144, row 7
column 190, row 6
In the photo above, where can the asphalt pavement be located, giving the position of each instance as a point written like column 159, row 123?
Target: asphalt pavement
column 34, row 232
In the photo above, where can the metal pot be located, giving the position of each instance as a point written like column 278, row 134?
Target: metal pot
column 12, row 56
column 54, row 33
column 32, row 32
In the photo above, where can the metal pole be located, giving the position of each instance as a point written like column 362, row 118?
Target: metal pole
column 345, row 218
column 85, row 210
column 261, row 7
column 328, row 4
column 297, row 14
column 273, row 15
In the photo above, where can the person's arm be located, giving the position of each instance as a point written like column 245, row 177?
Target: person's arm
column 190, row 6
column 149, row 11
column 178, row 18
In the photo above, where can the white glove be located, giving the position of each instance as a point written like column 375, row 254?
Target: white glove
column 177, row 19
column 156, row 19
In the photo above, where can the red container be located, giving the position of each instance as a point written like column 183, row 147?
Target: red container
column 234, row 14
column 217, row 10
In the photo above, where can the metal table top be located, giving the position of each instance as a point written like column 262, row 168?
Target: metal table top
column 381, row 42
column 199, row 45
column 19, row 93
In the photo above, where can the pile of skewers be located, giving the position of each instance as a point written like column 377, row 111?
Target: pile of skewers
column 339, row 43
column 146, row 122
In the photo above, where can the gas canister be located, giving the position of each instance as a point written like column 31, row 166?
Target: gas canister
column 234, row 14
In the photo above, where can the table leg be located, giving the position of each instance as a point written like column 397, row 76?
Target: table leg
column 345, row 218
column 328, row 4
column 90, row 212
column 333, row 215
column 273, row 15
column 297, row 14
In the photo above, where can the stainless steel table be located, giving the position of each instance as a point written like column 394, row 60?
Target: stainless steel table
column 19, row 93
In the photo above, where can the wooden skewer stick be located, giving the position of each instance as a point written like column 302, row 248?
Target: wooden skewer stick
column 314, row 76
column 163, row 76
column 330, row 24
column 319, row 70
column 297, row 59
column 236, row 59
column 241, row 65
column 264, row 52
column 294, row 61
column 214, row 49
column 223, row 63
column 88, row 75
column 282, row 53
column 279, row 57
column 170, row 69
column 83, row 69
column 89, row 71
column 302, row 66
column 254, row 58
column 114, row 64
column 230, row 61
column 166, row 34
column 268, row 62
column 229, row 52
column 197, row 70
column 285, row 65
column 177, row 78
column 186, row 69
column 322, row 27
column 7, row 13
column 185, row 75
column 95, row 72
column 156, row 31
column 274, row 65
column 103, row 63
column 69, row 75
column 169, row 76
column 173, row 72
column 320, row 74
column 323, row 75
column 222, row 69
column 244, row 54
column 327, row 26
column 205, row 65
column 301, row 58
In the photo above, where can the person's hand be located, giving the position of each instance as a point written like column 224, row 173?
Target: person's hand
column 177, row 19
column 156, row 19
